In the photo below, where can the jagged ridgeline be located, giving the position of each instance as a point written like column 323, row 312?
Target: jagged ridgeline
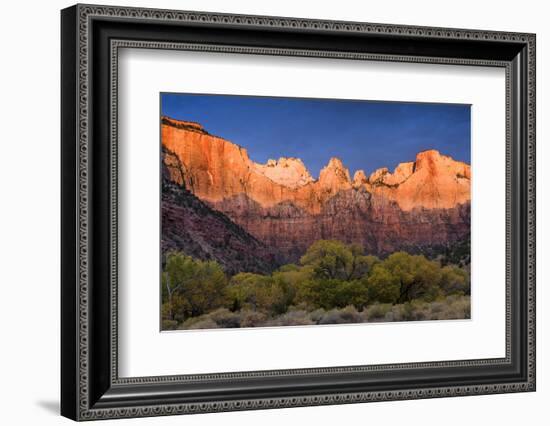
column 251, row 245
column 218, row 204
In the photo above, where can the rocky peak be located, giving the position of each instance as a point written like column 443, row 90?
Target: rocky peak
column 215, row 169
column 290, row 172
column 378, row 175
column 434, row 163
column 429, row 154
column 334, row 176
column 335, row 166
column 432, row 160
column 359, row 178
column 401, row 173
column 433, row 181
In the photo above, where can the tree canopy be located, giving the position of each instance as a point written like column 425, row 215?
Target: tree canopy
column 330, row 275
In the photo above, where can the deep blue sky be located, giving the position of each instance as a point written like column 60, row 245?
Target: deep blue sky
column 364, row 134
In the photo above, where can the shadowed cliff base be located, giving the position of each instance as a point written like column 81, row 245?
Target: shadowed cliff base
column 191, row 226
column 352, row 216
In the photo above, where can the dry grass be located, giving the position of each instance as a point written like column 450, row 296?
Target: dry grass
column 449, row 308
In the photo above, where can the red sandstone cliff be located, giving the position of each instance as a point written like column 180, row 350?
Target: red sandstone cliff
column 422, row 203
column 191, row 226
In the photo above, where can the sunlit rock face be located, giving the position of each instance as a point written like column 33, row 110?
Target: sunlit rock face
column 192, row 226
column 289, row 172
column 432, row 181
column 422, row 203
column 359, row 178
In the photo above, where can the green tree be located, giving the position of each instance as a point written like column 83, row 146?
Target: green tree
column 191, row 287
column 382, row 285
column 290, row 267
column 329, row 259
column 418, row 277
column 255, row 292
column 332, row 259
column 289, row 280
column 361, row 265
column 370, row 261
column 332, row 293
column 454, row 280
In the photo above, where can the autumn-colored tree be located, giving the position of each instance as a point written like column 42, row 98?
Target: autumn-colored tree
column 455, row 280
column 332, row 259
column 382, row 285
column 191, row 287
column 254, row 291
column 417, row 277
column 332, row 293
column 331, row 275
column 289, row 280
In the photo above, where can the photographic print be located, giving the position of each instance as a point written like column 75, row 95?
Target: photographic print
column 306, row 212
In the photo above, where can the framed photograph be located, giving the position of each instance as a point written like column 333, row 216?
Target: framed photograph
column 264, row 212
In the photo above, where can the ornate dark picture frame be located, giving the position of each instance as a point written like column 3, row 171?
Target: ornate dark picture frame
column 90, row 385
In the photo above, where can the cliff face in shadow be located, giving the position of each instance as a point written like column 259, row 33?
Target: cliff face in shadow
column 192, row 226
column 352, row 216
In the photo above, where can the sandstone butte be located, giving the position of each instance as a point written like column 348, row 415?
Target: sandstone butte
column 215, row 169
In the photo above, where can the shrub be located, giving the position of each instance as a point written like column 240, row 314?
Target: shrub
column 317, row 315
column 255, row 292
column 346, row 315
column 417, row 310
column 455, row 280
column 224, row 318
column 169, row 325
column 291, row 318
column 437, row 307
column 334, row 283
column 250, row 318
column 397, row 313
column 389, row 317
column 455, row 308
column 377, row 311
column 333, row 293
column 199, row 323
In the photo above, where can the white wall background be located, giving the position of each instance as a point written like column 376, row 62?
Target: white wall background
column 29, row 213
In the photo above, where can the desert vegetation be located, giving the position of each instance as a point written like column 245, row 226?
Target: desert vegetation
column 334, row 283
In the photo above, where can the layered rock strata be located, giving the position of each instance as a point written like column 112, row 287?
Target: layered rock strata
column 422, row 203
